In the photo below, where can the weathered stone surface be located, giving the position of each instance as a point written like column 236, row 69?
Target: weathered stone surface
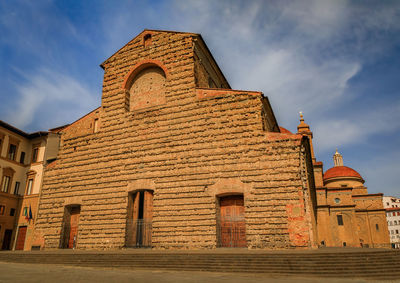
column 180, row 146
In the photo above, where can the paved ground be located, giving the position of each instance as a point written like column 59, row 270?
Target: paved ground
column 18, row 272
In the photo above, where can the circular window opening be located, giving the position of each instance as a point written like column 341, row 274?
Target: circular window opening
column 337, row 200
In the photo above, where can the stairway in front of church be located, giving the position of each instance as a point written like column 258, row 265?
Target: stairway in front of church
column 373, row 264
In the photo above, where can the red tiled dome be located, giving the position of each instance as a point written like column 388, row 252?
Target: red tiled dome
column 341, row 171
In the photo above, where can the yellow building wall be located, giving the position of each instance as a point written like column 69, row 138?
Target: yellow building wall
column 7, row 222
column 21, row 171
column 30, row 202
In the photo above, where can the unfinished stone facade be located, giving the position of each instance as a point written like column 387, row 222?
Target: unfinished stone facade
column 171, row 154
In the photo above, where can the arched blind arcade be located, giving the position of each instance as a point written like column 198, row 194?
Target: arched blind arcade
column 147, row 89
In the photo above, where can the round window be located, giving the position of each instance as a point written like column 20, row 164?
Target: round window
column 337, row 200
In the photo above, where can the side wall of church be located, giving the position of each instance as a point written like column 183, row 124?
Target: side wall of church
column 180, row 149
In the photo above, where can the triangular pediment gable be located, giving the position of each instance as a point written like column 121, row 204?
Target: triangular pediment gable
column 199, row 45
column 139, row 37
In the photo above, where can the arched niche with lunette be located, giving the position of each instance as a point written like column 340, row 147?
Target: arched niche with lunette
column 144, row 86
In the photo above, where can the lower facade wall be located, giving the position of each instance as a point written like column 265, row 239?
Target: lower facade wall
column 185, row 205
column 188, row 153
column 189, row 223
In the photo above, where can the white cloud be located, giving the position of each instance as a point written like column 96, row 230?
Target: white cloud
column 354, row 129
column 302, row 55
column 50, row 98
column 296, row 82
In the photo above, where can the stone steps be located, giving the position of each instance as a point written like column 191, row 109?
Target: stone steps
column 380, row 265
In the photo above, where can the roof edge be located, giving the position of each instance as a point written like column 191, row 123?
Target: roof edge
column 22, row 133
column 143, row 31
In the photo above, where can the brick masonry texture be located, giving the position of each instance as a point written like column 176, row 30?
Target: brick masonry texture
column 189, row 146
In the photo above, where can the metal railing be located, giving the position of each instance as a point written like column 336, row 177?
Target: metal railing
column 142, row 230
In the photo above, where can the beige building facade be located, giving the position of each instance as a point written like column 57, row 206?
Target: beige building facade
column 22, row 157
column 392, row 207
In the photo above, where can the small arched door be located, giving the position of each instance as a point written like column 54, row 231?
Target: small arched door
column 71, row 225
column 232, row 222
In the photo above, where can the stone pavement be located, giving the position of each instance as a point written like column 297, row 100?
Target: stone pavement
column 19, row 272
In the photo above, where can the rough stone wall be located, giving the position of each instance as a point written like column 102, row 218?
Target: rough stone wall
column 179, row 149
column 318, row 174
column 201, row 75
column 82, row 127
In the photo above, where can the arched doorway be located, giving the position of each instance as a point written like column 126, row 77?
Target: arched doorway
column 71, row 224
column 232, row 227
column 139, row 219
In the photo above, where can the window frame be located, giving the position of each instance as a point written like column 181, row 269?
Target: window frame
column 29, row 186
column 12, row 154
column 22, row 157
column 96, row 125
column 5, row 185
column 35, row 153
column 1, row 143
column 16, row 190
column 7, row 172
column 339, row 218
column 30, row 176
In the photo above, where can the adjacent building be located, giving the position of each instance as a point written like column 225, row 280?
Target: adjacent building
column 392, row 206
column 22, row 157
column 347, row 215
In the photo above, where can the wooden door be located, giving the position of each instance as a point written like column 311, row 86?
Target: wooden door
column 139, row 220
column 147, row 218
column 132, row 218
column 21, row 238
column 73, row 233
column 148, row 206
column 232, row 222
column 7, row 240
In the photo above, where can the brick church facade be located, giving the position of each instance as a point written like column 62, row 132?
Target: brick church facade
column 175, row 159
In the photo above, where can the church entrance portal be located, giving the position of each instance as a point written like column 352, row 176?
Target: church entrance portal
column 71, row 223
column 139, row 220
column 232, row 228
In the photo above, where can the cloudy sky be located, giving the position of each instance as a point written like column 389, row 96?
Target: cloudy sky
column 337, row 61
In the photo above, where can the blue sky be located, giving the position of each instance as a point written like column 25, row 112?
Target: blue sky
column 337, row 61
